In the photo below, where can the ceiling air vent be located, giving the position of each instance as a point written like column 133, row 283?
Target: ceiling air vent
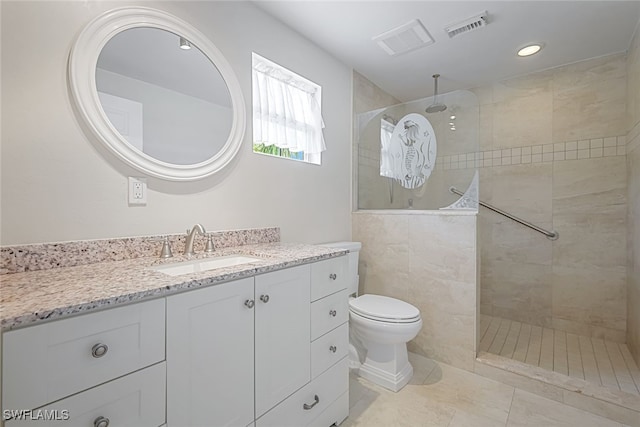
column 467, row 25
column 405, row 38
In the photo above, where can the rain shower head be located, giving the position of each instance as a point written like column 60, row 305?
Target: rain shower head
column 436, row 107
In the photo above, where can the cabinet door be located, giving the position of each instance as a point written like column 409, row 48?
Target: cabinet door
column 283, row 347
column 210, row 356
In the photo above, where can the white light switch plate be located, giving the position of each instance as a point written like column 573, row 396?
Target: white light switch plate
column 137, row 191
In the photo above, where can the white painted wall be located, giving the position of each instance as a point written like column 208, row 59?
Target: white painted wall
column 59, row 184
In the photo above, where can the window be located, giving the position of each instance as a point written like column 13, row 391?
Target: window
column 287, row 120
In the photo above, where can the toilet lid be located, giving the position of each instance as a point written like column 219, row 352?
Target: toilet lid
column 378, row 307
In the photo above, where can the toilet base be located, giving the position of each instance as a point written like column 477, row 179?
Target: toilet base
column 387, row 366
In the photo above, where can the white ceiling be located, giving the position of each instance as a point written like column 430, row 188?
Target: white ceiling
column 571, row 31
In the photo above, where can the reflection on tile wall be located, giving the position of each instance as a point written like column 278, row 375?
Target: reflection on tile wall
column 563, row 135
column 367, row 97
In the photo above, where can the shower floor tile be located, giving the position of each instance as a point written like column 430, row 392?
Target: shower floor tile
column 599, row 362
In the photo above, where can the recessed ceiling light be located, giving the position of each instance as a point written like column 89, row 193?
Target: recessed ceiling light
column 530, row 50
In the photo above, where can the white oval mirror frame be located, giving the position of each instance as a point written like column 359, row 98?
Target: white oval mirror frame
column 83, row 60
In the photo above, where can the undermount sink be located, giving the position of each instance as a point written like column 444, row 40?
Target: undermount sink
column 199, row 265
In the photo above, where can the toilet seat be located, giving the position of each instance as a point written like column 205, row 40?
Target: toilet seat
column 384, row 309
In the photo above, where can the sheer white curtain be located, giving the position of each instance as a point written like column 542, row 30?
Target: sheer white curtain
column 286, row 109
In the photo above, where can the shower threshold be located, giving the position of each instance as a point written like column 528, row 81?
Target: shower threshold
column 586, row 372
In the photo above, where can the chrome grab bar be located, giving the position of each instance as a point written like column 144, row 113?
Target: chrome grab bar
column 551, row 235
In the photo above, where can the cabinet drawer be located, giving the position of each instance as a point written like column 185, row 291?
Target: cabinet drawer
column 329, row 313
column 47, row 362
column 328, row 276
column 135, row 400
column 328, row 349
column 334, row 414
column 326, row 388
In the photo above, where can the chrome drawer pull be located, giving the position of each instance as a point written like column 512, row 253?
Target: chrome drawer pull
column 333, row 348
column 99, row 350
column 101, row 422
column 333, row 313
column 333, row 276
column 249, row 303
column 264, row 298
column 316, row 400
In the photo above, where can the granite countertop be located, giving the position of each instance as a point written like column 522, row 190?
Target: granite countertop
column 33, row 297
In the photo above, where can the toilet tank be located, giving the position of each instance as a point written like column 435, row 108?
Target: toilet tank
column 353, row 255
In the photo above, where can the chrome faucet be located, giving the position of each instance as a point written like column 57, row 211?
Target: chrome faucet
column 191, row 235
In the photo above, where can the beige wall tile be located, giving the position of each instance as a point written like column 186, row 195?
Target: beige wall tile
column 602, row 181
column 595, row 297
column 522, row 112
column 486, row 127
column 520, row 291
column 589, row 99
column 633, row 248
column 368, row 96
column 633, row 82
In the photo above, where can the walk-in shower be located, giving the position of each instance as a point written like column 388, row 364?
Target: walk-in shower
column 529, row 279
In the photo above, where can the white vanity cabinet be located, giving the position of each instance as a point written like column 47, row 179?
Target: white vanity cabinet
column 107, row 365
column 324, row 401
column 268, row 350
column 213, row 367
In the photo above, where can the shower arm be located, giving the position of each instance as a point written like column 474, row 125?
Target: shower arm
column 551, row 235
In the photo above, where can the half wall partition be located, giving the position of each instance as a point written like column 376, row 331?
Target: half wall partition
column 419, row 244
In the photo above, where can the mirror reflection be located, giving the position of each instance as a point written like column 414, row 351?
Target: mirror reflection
column 164, row 96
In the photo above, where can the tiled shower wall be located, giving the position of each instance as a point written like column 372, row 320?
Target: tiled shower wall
column 574, row 118
column 633, row 212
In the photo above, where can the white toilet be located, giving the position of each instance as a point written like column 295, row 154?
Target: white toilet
column 380, row 328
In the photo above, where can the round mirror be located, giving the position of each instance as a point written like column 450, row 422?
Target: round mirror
column 157, row 93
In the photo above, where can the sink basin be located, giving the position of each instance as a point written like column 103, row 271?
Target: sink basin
column 199, row 265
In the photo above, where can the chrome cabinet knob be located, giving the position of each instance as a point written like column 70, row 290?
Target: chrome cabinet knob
column 101, row 422
column 249, row 303
column 333, row 276
column 307, row 406
column 264, row 298
column 99, row 350
column 333, row 313
column 333, row 349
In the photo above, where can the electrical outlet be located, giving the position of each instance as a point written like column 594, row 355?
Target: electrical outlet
column 137, row 191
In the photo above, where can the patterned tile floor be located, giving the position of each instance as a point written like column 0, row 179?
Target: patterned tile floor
column 600, row 362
